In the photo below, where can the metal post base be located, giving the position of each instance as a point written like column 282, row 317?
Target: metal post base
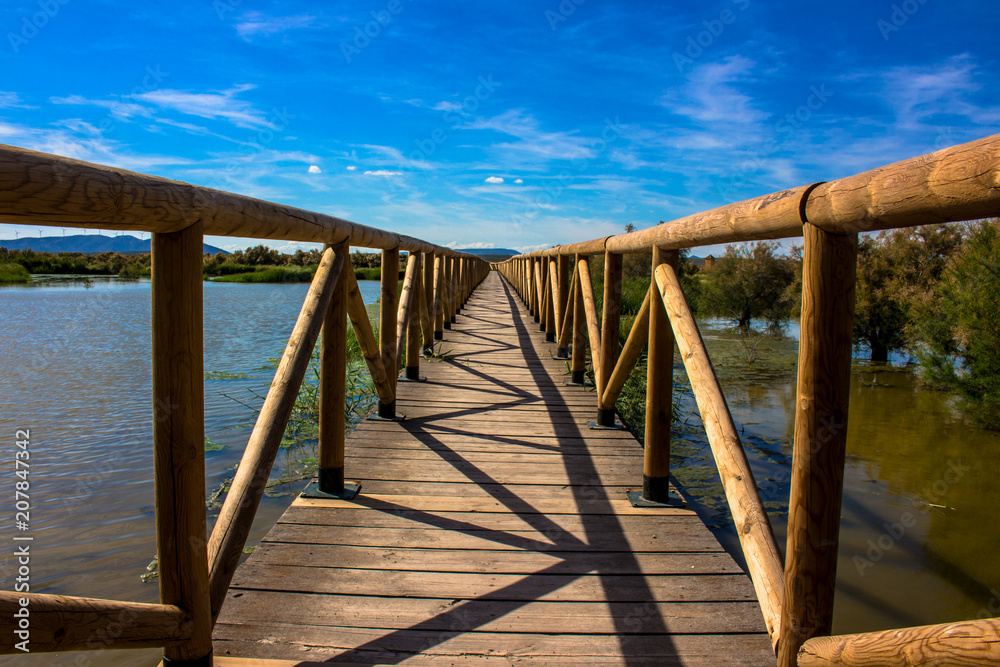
column 550, row 338
column 330, row 484
column 438, row 335
column 656, row 492
column 561, row 353
column 386, row 413
column 447, row 325
column 605, row 421
column 412, row 375
column 204, row 661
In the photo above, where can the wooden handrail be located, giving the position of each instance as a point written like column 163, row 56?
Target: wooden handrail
column 233, row 525
column 61, row 623
column 43, row 189
column 945, row 645
column 949, row 185
column 752, row 524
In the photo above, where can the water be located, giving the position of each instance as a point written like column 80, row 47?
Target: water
column 77, row 374
column 918, row 538
column 918, row 541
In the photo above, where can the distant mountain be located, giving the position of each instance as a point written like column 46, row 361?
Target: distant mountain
column 88, row 244
column 492, row 252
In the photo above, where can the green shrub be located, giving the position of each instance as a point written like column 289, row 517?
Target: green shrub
column 14, row 273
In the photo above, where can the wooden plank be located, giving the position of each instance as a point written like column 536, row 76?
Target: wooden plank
column 493, row 615
column 378, row 646
column 539, row 502
column 494, row 561
column 527, row 587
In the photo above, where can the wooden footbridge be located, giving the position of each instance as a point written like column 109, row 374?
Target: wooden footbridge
column 484, row 513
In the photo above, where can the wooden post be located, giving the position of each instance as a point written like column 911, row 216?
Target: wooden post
column 536, row 290
column 590, row 312
column 659, row 393
column 413, row 328
column 552, row 314
column 428, row 303
column 828, row 274
column 333, row 382
column 579, row 365
column 448, row 292
column 545, row 286
column 439, row 261
column 609, row 333
column 563, row 304
column 179, row 436
column 387, row 326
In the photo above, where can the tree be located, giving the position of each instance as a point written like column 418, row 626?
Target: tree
column 959, row 325
column 750, row 282
column 896, row 270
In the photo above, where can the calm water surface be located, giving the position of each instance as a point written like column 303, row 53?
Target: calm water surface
column 918, row 541
column 77, row 373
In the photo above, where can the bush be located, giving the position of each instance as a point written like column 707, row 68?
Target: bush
column 274, row 274
column 14, row 273
column 959, row 326
column 751, row 282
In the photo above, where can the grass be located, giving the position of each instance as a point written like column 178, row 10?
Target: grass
column 272, row 274
column 368, row 273
column 14, row 273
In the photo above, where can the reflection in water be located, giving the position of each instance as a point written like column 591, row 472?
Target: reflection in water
column 77, row 373
column 918, row 537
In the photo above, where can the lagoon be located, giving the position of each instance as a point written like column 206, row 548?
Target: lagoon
column 917, row 543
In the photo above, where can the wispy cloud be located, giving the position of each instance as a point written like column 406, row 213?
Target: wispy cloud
column 117, row 109
column 9, row 100
column 257, row 23
column 383, row 172
column 532, row 140
column 213, row 105
column 922, row 96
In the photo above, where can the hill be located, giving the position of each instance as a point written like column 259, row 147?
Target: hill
column 89, row 244
column 490, row 252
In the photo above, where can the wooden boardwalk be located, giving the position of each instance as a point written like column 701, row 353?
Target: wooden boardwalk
column 492, row 526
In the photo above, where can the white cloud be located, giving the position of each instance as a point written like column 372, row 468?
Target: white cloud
column 116, row 108
column 447, row 106
column 214, row 105
column 532, row 140
column 919, row 94
column 383, row 172
column 9, row 100
column 494, row 179
column 710, row 96
column 314, row 169
column 352, row 168
column 256, row 23
column 519, row 181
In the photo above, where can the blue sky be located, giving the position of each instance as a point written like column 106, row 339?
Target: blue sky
column 516, row 124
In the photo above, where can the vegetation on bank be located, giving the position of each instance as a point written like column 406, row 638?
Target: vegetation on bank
column 259, row 264
column 13, row 273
